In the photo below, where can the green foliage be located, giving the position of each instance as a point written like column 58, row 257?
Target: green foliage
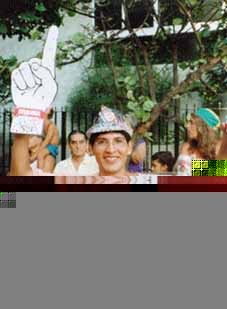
column 98, row 89
column 216, row 81
column 139, row 106
column 94, row 91
column 22, row 16
column 6, row 67
column 177, row 21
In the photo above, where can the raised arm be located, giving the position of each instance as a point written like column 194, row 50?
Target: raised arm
column 33, row 87
column 139, row 153
column 20, row 161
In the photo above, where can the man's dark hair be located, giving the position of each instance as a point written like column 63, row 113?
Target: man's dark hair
column 95, row 135
column 164, row 158
column 73, row 132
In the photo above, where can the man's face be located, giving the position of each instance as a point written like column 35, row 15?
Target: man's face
column 78, row 145
column 111, row 151
column 158, row 167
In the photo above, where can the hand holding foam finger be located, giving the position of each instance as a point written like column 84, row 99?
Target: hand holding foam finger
column 33, row 84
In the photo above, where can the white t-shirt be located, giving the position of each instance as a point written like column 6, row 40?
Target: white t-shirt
column 183, row 165
column 88, row 167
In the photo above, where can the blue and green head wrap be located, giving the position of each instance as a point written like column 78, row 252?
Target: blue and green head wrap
column 209, row 117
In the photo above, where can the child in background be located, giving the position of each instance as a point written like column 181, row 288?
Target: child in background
column 45, row 150
column 162, row 162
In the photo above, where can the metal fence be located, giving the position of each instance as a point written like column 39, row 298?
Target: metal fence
column 168, row 132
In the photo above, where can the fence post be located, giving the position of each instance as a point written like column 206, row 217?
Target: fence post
column 78, row 120
column 10, row 137
column 176, row 131
column 72, row 120
column 159, row 133
column 55, row 116
column 167, row 129
column 219, row 109
column 63, row 134
column 85, row 121
column 3, row 142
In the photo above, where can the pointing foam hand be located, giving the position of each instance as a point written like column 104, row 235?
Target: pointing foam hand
column 33, row 88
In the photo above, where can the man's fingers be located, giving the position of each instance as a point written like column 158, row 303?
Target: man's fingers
column 50, row 49
column 27, row 74
column 17, row 80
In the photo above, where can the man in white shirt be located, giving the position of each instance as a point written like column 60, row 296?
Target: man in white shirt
column 80, row 163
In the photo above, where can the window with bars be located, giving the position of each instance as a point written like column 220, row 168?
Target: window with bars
column 115, row 13
column 108, row 15
column 144, row 13
column 203, row 11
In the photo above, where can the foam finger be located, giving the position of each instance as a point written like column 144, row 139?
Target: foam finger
column 42, row 74
column 31, row 62
column 18, row 80
column 50, row 49
column 27, row 75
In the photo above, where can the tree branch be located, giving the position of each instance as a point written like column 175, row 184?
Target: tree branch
column 188, row 14
column 181, row 88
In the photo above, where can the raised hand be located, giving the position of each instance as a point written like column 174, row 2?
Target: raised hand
column 33, row 84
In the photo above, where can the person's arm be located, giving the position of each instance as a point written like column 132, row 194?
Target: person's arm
column 33, row 155
column 139, row 153
column 20, row 161
column 184, row 149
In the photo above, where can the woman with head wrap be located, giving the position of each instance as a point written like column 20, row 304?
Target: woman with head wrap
column 202, row 143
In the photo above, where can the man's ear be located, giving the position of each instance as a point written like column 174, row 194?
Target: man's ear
column 164, row 168
column 69, row 146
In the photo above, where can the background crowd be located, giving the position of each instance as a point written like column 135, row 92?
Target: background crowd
column 112, row 147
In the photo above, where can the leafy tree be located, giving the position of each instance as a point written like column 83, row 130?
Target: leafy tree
column 204, row 64
column 22, row 16
column 6, row 66
column 95, row 90
column 203, row 61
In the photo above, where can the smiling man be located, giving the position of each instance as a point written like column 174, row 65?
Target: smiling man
column 110, row 142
